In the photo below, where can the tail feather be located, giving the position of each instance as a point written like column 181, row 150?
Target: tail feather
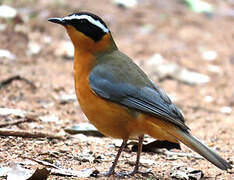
column 203, row 150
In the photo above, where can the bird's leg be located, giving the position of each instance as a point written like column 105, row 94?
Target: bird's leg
column 141, row 139
column 112, row 169
column 136, row 168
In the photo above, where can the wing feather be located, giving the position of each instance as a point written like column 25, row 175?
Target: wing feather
column 148, row 99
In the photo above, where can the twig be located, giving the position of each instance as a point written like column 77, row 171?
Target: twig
column 26, row 134
column 44, row 163
column 13, row 123
column 13, row 78
column 27, row 118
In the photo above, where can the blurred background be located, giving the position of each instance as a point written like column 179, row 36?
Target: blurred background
column 185, row 46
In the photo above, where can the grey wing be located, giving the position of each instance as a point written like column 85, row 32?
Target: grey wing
column 148, row 99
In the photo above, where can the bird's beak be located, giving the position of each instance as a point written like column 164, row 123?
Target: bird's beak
column 58, row 21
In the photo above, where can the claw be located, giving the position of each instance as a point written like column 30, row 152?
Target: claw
column 132, row 173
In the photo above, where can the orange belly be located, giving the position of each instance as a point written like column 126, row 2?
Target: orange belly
column 110, row 118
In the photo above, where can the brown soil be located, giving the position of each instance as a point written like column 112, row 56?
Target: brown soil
column 179, row 35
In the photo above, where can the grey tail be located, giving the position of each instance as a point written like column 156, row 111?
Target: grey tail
column 203, row 150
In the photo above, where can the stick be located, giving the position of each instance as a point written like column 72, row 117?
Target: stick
column 13, row 123
column 26, row 134
column 13, row 78
column 26, row 119
column 44, row 163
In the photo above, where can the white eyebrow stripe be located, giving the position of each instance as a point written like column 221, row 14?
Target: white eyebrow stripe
column 90, row 19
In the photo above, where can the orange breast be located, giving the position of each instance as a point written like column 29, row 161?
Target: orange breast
column 110, row 118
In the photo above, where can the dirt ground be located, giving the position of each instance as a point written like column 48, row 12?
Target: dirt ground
column 175, row 32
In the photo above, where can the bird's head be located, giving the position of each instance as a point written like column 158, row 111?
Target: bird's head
column 87, row 31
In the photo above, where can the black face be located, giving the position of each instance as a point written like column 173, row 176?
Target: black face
column 86, row 26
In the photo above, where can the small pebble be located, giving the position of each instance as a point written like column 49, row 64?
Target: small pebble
column 149, row 162
column 84, row 128
column 67, row 98
column 7, row 12
column 3, row 27
column 65, row 49
column 226, row 110
column 209, row 99
column 33, row 48
column 5, row 54
column 51, row 118
column 209, row 55
column 81, row 137
column 214, row 69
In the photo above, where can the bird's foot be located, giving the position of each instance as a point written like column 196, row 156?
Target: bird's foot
column 126, row 174
column 132, row 173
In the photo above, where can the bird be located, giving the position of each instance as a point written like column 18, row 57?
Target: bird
column 118, row 98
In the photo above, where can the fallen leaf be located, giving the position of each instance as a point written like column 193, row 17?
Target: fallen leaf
column 186, row 173
column 40, row 174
